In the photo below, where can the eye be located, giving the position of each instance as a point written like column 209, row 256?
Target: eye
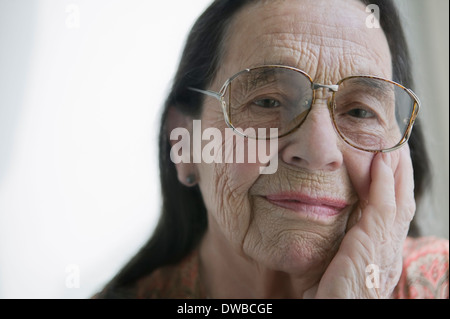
column 361, row 113
column 267, row 103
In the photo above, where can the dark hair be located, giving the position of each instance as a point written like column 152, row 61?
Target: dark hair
column 183, row 218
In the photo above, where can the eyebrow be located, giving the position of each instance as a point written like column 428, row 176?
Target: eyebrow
column 363, row 80
column 370, row 83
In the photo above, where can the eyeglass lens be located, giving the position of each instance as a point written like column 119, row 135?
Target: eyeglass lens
column 369, row 113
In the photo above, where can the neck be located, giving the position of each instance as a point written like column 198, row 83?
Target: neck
column 227, row 273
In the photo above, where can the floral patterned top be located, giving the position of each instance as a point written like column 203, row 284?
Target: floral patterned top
column 425, row 275
column 425, row 269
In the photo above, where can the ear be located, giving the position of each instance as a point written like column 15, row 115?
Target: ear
column 179, row 132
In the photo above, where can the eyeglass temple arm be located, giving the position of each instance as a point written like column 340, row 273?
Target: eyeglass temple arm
column 207, row 92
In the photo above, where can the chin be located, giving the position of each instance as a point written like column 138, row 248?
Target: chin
column 297, row 254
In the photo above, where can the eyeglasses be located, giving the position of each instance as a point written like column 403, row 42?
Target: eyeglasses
column 369, row 113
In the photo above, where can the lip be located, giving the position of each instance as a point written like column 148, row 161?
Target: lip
column 303, row 203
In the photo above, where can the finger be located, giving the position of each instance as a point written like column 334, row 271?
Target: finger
column 404, row 189
column 382, row 190
column 379, row 215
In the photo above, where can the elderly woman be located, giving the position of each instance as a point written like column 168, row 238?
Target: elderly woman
column 330, row 90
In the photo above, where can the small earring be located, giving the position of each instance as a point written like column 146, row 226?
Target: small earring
column 191, row 180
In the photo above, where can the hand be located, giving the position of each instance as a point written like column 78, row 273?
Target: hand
column 377, row 237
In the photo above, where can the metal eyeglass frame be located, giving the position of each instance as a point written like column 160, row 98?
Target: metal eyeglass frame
column 220, row 96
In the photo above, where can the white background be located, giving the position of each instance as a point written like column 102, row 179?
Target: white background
column 81, row 87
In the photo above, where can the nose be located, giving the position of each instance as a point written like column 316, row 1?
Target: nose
column 315, row 144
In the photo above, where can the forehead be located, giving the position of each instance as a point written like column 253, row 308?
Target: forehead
column 328, row 39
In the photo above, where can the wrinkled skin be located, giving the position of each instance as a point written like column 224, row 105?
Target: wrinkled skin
column 255, row 249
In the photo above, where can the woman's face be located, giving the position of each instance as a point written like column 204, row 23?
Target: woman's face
column 293, row 220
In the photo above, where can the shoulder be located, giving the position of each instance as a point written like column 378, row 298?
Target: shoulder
column 176, row 281
column 425, row 269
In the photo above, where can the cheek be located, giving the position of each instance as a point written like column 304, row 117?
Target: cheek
column 225, row 188
column 358, row 167
column 224, row 181
column 224, row 165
